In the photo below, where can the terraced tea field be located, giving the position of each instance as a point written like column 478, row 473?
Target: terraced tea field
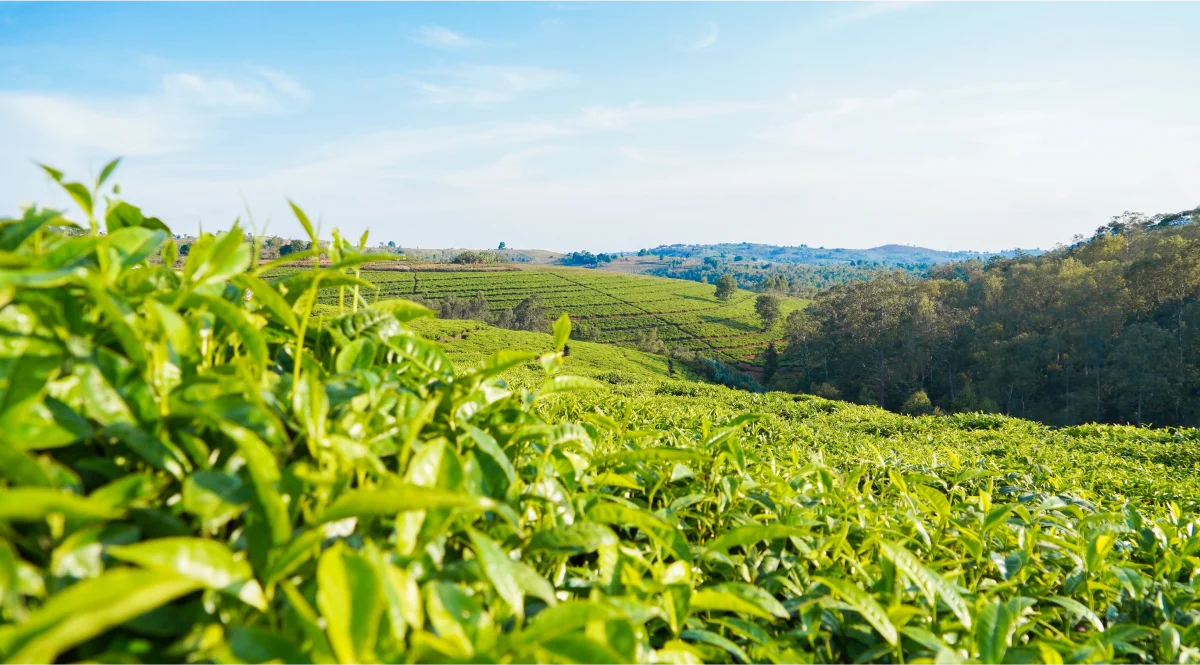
column 616, row 306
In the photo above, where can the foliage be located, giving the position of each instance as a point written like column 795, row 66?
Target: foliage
column 766, row 305
column 1105, row 330
column 793, row 279
column 198, row 468
column 770, row 364
column 726, row 287
column 917, row 404
column 585, row 258
column 477, row 257
column 452, row 307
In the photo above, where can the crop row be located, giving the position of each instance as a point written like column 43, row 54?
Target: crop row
column 618, row 308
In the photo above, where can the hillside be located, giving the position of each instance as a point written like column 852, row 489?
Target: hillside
column 470, row 343
column 1105, row 330
column 1095, row 462
column 606, row 307
column 198, row 466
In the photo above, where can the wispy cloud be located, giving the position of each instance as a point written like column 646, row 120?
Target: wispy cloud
column 549, row 23
column 184, row 110
column 865, row 11
column 813, row 127
column 708, row 39
column 483, row 84
column 264, row 91
column 620, row 117
column 285, row 84
column 436, row 36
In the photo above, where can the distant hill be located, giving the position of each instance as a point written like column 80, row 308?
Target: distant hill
column 803, row 254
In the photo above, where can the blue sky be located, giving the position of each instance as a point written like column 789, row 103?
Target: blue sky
column 615, row 126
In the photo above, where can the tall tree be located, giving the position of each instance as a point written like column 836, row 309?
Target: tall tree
column 770, row 363
column 767, row 308
column 726, row 287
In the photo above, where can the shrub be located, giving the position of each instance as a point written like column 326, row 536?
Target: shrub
column 917, row 404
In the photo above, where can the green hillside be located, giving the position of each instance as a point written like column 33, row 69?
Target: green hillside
column 1096, row 463
column 616, row 307
column 470, row 343
column 195, row 468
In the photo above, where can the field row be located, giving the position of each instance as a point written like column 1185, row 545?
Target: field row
column 616, row 308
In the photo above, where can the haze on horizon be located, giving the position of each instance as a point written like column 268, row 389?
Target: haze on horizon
column 564, row 126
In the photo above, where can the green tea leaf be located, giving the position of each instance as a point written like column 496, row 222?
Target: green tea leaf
column 930, row 583
column 499, row 570
column 88, row 609
column 738, row 597
column 562, row 331
column 33, row 504
column 864, row 604
column 348, row 596
column 993, row 632
column 206, row 561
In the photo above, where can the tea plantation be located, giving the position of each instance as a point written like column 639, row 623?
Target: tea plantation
column 686, row 314
column 196, row 469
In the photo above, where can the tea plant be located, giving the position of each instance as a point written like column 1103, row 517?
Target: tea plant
column 197, row 468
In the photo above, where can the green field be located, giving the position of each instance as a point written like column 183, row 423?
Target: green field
column 470, row 343
column 195, row 468
column 618, row 306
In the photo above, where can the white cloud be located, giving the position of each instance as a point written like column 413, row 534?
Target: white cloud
column 865, row 11
column 191, row 89
column 264, row 92
column 550, row 23
column 620, row 117
column 139, row 126
column 187, row 108
column 708, row 39
column 483, row 84
column 815, row 127
column 285, row 84
column 436, row 36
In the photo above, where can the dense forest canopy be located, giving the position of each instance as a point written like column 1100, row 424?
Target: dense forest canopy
column 1107, row 329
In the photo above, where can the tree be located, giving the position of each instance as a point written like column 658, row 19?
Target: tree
column 392, row 244
column 529, row 314
column 503, row 246
column 726, row 287
column 767, row 308
column 284, row 250
column 770, row 362
column 917, row 404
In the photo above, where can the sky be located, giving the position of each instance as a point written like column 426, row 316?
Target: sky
column 614, row 126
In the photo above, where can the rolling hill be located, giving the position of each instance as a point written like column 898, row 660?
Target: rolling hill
column 614, row 308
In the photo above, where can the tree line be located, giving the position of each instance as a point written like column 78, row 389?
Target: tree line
column 1107, row 329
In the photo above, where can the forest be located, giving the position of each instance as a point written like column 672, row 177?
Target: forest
column 1106, row 329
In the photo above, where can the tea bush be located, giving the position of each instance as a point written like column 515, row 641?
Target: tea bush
column 196, row 468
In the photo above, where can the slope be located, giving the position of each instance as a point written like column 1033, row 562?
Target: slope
column 606, row 307
column 1094, row 463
